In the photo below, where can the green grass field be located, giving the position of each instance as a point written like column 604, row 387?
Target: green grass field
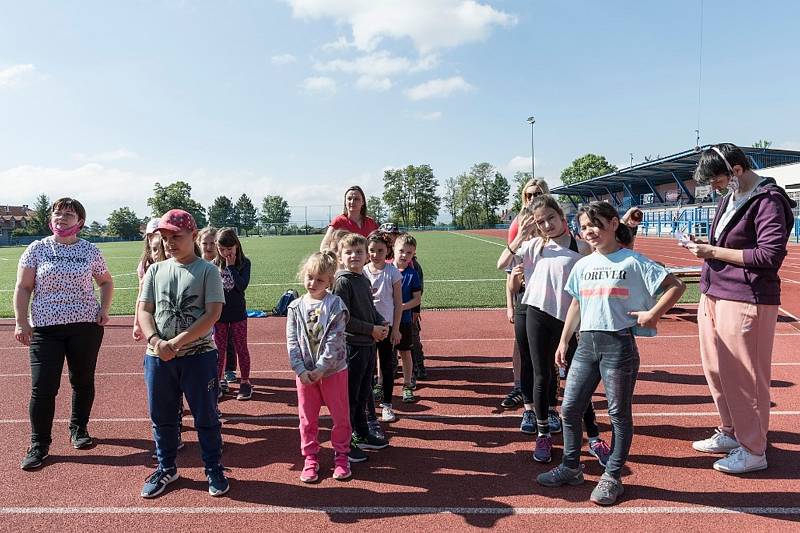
column 459, row 270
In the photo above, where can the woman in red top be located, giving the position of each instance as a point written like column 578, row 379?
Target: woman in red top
column 354, row 217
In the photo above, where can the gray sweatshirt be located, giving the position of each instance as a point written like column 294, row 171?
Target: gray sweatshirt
column 330, row 356
column 355, row 290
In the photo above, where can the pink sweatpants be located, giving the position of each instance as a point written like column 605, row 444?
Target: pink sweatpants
column 330, row 391
column 239, row 332
column 736, row 341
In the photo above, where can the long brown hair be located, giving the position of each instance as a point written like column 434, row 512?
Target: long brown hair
column 597, row 211
column 147, row 259
column 227, row 237
column 546, row 201
column 363, row 198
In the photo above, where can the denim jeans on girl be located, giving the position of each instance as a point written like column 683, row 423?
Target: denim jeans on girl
column 613, row 357
column 196, row 377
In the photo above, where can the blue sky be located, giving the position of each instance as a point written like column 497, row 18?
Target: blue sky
column 302, row 98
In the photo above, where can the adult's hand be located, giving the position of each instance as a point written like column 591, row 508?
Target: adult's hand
column 23, row 332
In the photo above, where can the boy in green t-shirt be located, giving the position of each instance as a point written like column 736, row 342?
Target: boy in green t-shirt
column 180, row 300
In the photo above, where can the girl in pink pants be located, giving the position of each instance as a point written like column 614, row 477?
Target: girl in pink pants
column 315, row 325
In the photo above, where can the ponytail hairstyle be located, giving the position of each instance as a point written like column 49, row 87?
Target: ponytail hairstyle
column 378, row 236
column 324, row 263
column 227, row 237
column 719, row 159
column 546, row 201
column 600, row 214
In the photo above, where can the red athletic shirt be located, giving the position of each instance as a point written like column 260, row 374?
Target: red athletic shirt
column 368, row 225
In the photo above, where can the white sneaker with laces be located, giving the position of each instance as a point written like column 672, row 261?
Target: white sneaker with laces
column 719, row 442
column 387, row 413
column 740, row 461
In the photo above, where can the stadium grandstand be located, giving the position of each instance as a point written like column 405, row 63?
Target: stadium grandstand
column 669, row 197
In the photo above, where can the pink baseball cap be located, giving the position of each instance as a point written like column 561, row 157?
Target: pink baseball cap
column 177, row 220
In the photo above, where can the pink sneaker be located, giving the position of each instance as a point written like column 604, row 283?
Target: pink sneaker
column 309, row 474
column 342, row 466
column 601, row 450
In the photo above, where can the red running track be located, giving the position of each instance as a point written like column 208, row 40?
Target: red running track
column 456, row 459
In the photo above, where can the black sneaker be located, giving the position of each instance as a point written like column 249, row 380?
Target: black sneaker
column 157, row 482
column 513, row 399
column 218, row 484
column 356, row 454
column 80, row 438
column 370, row 442
column 245, row 392
column 34, row 457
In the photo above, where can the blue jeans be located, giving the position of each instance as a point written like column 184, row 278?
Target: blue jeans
column 193, row 376
column 613, row 357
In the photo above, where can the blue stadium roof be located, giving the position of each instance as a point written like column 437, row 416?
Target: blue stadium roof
column 677, row 169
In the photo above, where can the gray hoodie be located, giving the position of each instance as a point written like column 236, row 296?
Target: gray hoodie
column 355, row 290
column 331, row 355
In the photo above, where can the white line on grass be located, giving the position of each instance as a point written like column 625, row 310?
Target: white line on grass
column 409, row 510
column 477, row 238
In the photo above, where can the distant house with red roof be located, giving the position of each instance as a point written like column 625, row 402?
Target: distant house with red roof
column 13, row 217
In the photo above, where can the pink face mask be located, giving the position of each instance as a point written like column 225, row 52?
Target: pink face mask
column 65, row 232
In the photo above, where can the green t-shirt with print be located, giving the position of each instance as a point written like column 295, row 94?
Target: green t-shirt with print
column 180, row 293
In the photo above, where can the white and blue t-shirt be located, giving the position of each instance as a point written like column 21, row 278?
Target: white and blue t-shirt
column 608, row 287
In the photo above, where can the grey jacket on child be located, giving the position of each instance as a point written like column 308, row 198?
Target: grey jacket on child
column 331, row 355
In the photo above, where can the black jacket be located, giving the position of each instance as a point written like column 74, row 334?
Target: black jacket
column 355, row 290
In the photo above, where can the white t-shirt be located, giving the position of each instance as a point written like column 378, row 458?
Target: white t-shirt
column 546, row 270
column 608, row 287
column 63, row 292
column 383, row 288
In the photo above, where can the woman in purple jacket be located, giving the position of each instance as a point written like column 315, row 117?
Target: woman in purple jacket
column 739, row 304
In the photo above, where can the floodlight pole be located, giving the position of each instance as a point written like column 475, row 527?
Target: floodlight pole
column 532, row 121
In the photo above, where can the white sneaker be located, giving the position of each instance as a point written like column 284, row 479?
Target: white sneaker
column 387, row 414
column 719, row 442
column 740, row 461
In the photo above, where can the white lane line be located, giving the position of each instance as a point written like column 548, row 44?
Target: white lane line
column 276, row 418
column 408, row 510
column 478, row 239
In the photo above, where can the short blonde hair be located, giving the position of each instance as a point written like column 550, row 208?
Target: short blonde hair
column 352, row 239
column 319, row 263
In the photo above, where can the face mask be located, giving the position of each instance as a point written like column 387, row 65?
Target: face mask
column 733, row 183
column 66, row 232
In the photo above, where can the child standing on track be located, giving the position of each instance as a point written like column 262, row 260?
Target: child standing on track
column 181, row 300
column 365, row 327
column 546, row 261
column 234, row 269
column 315, row 339
column 613, row 293
column 387, row 296
column 153, row 253
column 405, row 246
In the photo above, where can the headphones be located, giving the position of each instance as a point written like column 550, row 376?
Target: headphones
column 724, row 160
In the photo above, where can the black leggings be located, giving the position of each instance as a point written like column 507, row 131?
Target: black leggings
column 526, row 356
column 387, row 359
column 79, row 344
column 543, row 333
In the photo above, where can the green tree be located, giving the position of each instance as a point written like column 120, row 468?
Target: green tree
column 221, row 213
column 376, row 209
column 520, row 179
column 274, row 211
column 410, row 195
column 245, row 213
column 124, row 223
column 176, row 195
column 586, row 167
column 762, row 143
column 95, row 229
column 41, row 219
column 450, row 198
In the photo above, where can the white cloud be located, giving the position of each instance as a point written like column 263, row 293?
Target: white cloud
column 339, row 44
column 319, row 85
column 438, row 88
column 369, row 83
column 429, row 24
column 16, row 75
column 518, row 163
column 283, row 59
column 114, row 155
column 378, row 64
column 434, row 115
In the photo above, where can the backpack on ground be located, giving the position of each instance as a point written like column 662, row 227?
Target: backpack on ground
column 283, row 303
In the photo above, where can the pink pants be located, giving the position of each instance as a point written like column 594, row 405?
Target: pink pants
column 239, row 332
column 330, row 391
column 736, row 350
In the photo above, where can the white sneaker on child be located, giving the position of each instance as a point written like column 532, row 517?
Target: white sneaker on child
column 387, row 413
